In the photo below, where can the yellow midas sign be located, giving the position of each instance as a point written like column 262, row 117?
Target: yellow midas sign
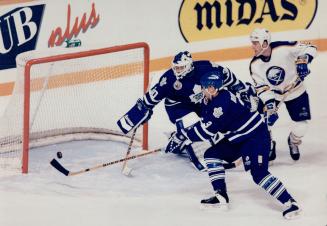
column 203, row 20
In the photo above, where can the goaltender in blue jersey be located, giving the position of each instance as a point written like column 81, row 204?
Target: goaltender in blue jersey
column 180, row 89
column 223, row 116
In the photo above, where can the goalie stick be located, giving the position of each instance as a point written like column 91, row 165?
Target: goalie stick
column 125, row 169
column 66, row 172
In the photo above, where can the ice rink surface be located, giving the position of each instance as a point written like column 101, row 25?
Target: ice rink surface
column 165, row 189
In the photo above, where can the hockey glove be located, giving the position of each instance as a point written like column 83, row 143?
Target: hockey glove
column 271, row 115
column 249, row 97
column 302, row 66
column 139, row 114
column 177, row 142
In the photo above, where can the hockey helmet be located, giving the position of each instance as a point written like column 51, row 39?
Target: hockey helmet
column 261, row 35
column 212, row 78
column 182, row 64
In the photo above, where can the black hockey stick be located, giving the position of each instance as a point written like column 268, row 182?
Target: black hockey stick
column 66, row 172
column 232, row 165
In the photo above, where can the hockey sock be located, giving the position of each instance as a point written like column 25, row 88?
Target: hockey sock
column 275, row 188
column 216, row 172
column 298, row 131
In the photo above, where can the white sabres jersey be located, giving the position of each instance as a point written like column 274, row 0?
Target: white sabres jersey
column 275, row 76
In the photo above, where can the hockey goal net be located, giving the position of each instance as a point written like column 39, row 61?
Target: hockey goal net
column 71, row 94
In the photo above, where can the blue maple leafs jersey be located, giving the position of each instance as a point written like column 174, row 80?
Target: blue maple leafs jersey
column 188, row 89
column 224, row 117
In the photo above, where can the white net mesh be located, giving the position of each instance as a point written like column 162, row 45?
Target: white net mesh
column 71, row 99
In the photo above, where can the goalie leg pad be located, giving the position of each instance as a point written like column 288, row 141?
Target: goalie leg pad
column 136, row 116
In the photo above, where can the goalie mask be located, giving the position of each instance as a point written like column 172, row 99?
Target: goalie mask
column 182, row 64
column 261, row 35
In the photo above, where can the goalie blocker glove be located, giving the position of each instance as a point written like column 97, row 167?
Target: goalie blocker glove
column 139, row 114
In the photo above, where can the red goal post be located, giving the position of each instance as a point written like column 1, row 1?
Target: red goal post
column 86, row 76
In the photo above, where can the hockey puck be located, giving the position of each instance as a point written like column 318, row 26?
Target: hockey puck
column 59, row 154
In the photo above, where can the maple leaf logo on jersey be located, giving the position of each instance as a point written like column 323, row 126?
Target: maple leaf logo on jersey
column 275, row 75
column 217, row 112
column 163, row 81
column 198, row 95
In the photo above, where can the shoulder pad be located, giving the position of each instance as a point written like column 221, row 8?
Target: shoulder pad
column 200, row 63
column 252, row 61
column 282, row 43
column 168, row 78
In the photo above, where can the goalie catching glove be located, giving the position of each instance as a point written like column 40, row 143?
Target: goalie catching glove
column 247, row 94
column 177, row 142
column 139, row 114
column 249, row 97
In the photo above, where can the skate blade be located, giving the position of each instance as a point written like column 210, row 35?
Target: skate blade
column 293, row 215
column 218, row 207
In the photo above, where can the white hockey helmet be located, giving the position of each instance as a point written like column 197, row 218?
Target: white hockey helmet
column 261, row 35
column 182, row 64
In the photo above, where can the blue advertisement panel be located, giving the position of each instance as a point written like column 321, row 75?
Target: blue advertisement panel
column 19, row 30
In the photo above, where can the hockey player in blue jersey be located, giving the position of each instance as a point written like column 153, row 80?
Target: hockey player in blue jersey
column 180, row 89
column 278, row 70
column 223, row 117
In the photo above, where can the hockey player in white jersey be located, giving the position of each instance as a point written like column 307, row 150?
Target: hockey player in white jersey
column 278, row 70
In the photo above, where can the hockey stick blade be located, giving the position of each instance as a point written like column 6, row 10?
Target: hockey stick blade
column 59, row 167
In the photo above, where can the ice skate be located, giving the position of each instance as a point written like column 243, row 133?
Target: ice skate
column 220, row 201
column 292, row 210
